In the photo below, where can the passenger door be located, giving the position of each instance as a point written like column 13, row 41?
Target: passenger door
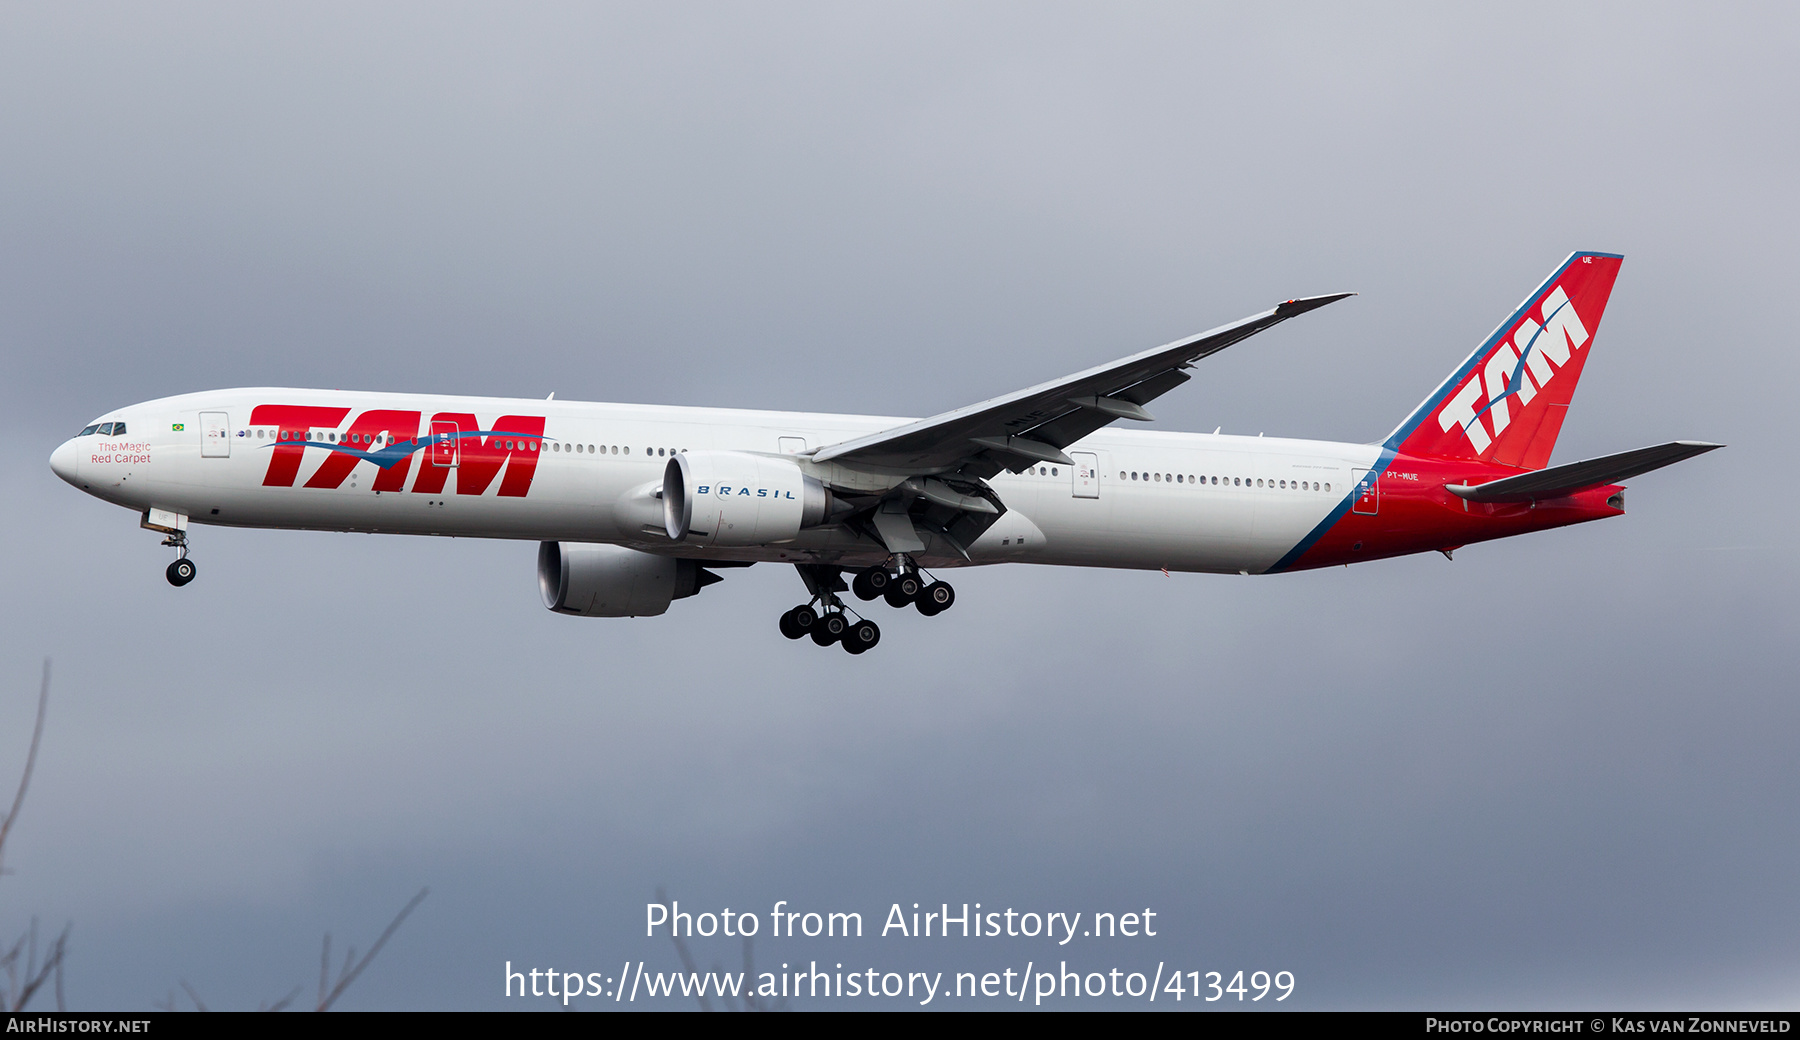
column 446, row 446
column 215, row 435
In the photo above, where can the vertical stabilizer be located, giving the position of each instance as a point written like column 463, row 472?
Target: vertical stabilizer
column 1505, row 403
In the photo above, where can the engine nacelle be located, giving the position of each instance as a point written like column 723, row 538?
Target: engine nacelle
column 737, row 498
column 596, row 580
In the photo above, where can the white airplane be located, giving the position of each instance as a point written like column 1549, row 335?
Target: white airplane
column 636, row 506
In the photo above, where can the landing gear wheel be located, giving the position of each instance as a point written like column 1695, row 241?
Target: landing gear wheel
column 861, row 636
column 900, row 591
column 799, row 621
column 180, row 572
column 936, row 598
column 910, row 586
column 830, row 629
column 870, row 584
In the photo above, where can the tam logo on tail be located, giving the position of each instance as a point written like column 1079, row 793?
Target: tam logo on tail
column 1506, row 402
column 1544, row 349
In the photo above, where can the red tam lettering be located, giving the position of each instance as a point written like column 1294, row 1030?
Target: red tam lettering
column 291, row 422
column 514, row 443
column 402, row 426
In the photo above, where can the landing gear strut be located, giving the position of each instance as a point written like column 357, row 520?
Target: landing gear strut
column 182, row 570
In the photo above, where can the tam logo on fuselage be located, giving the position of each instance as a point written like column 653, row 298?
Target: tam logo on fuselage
column 453, row 442
column 1518, row 368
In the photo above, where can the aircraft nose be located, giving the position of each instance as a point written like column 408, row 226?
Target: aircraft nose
column 64, row 460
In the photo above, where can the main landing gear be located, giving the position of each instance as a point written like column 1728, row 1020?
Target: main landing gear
column 831, row 625
column 827, row 621
column 902, row 585
column 182, row 570
column 824, row 617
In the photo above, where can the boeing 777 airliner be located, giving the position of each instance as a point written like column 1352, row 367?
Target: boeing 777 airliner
column 636, row 506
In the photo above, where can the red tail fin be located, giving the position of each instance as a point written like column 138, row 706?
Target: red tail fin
column 1506, row 402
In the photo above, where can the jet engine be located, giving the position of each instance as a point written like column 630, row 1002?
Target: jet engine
column 597, row 580
column 737, row 498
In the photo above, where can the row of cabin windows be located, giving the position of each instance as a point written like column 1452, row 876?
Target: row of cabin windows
column 117, row 429
column 377, row 440
column 1189, row 478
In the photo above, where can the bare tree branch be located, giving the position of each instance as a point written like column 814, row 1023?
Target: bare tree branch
column 21, row 987
column 199, row 1005
column 37, row 974
column 350, row 973
column 324, row 970
column 687, row 960
column 37, row 737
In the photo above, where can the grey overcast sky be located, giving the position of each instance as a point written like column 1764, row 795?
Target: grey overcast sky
column 1556, row 772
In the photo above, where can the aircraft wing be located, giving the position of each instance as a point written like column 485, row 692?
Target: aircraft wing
column 1033, row 425
column 1563, row 480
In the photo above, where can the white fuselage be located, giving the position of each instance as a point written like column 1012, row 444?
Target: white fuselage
column 1181, row 501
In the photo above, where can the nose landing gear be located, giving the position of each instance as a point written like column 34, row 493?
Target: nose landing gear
column 182, row 570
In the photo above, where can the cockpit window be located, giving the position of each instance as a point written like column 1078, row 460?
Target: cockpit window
column 118, row 429
column 89, row 431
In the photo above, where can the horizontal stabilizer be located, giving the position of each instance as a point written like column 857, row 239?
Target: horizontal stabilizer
column 1564, row 480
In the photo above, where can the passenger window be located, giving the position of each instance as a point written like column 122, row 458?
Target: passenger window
column 1121, row 474
column 1053, row 471
column 1328, row 487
